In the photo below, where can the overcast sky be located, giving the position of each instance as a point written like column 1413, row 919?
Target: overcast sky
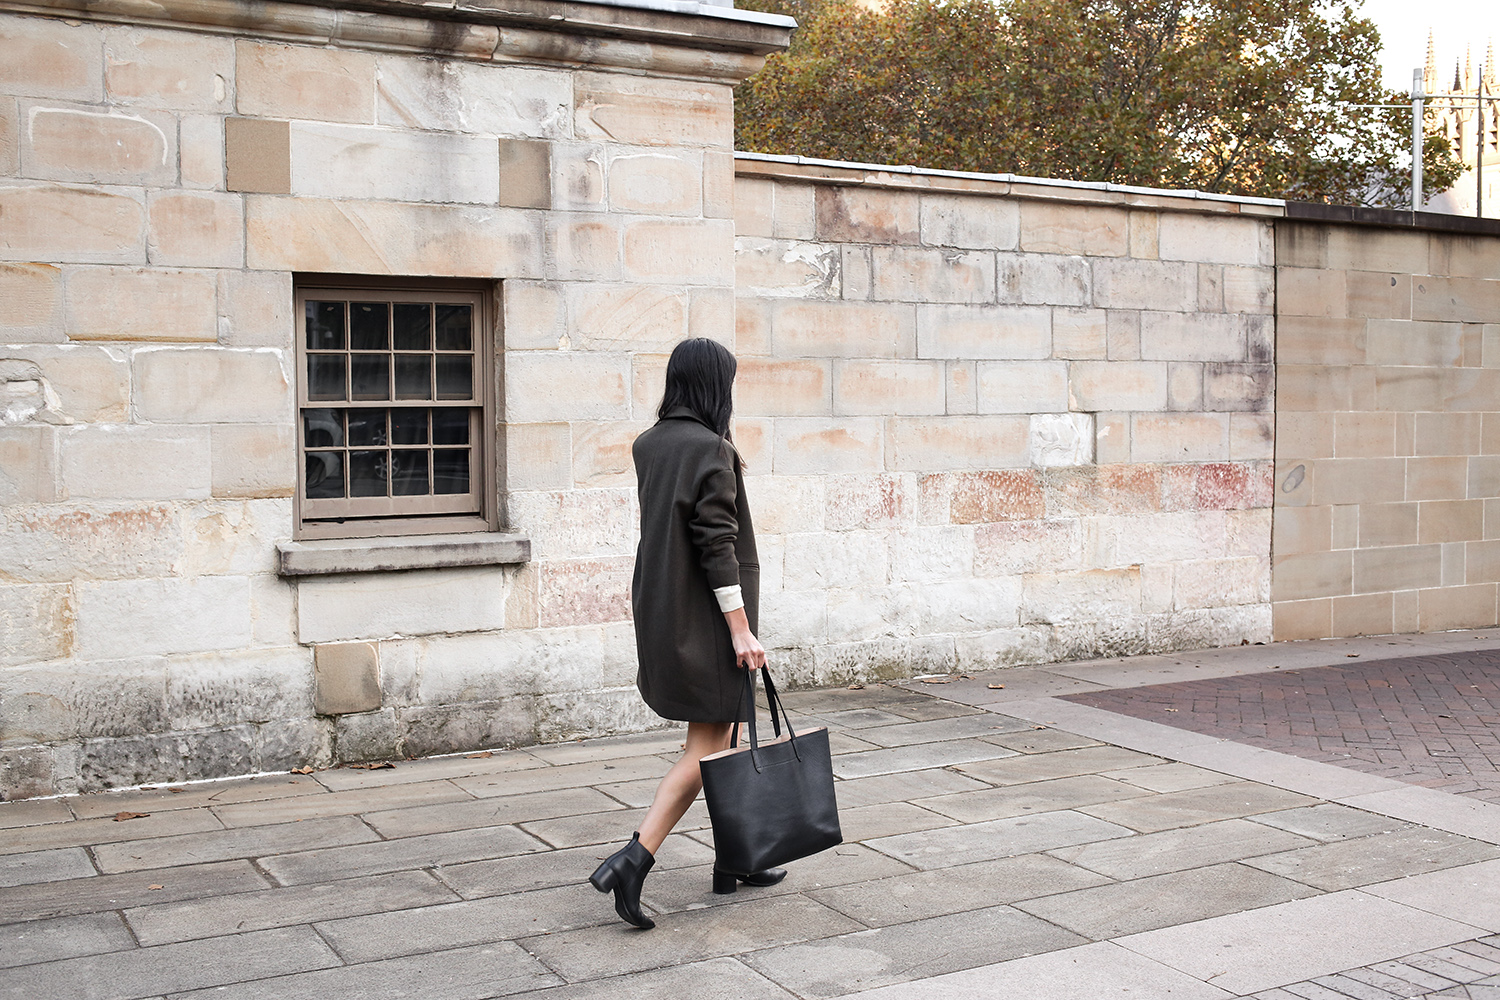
column 1455, row 24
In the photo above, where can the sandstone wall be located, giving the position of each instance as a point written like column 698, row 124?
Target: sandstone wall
column 1388, row 430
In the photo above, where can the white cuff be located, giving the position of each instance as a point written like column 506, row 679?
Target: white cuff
column 730, row 598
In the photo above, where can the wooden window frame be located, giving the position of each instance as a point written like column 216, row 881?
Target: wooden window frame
column 477, row 510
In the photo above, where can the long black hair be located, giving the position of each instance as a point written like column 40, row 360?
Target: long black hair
column 700, row 376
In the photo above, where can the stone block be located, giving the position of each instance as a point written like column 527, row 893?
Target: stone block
column 583, row 247
column 1145, row 234
column 1008, row 548
column 28, row 465
column 535, row 316
column 60, row 224
column 1086, row 595
column 1171, row 336
column 87, row 146
column 984, row 332
column 1022, row 386
column 1214, row 239
column 1377, row 294
column 752, row 327
column 1302, row 576
column 880, row 501
column 1122, row 332
column 696, row 252
column 1060, row 440
column 1117, row 385
column 981, row 497
column 1455, row 299
column 1211, row 287
column 889, row 387
column 1183, row 437
column 648, row 374
column 1112, row 438
column 41, row 57
column 255, row 309
column 1482, row 561
column 598, row 386
column 303, row 82
column 525, row 173
column 1249, row 289
column 1309, row 619
column 538, row 456
column 1079, row 333
column 867, row 215
column 118, row 303
column 785, row 388
column 212, row 385
column 1450, row 521
column 36, row 623
column 810, row 445
column 972, row 223
column 1397, row 567
column 601, row 452
column 206, row 690
column 718, row 186
column 1364, row 435
column 584, row 591
column 1055, row 227
column 1238, row 387
column 496, row 667
column 578, row 175
column 371, row 237
column 1251, row 436
column 711, row 314
column 647, row 111
column 795, row 212
column 913, row 274
column 1396, row 342
column 258, row 155
column 195, row 229
column 754, row 206
column 856, row 277
column 1315, row 292
column 459, row 95
column 123, row 462
column 419, row 602
column 1050, row 279
column 1302, row 529
column 352, row 161
column 1128, row 283
column 1362, row 614
column 1358, row 480
column 781, row 269
column 63, row 384
column 1436, row 478
column 962, row 387
column 10, row 136
column 843, row 330
column 124, row 618
column 844, row 560
column 1213, row 583
column 1440, row 610
column 252, row 461
column 755, row 440
column 346, row 678
column 655, row 183
column 938, row 444
column 648, row 318
column 576, row 524
column 785, row 504
column 200, row 152
column 171, row 70
column 1185, row 386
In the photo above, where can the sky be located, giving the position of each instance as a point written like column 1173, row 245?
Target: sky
column 1454, row 23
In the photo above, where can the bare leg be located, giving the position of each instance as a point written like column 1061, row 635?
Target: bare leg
column 682, row 783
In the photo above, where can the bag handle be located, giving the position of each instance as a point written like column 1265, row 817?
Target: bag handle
column 747, row 706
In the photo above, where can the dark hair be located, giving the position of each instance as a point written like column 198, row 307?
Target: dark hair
column 700, row 375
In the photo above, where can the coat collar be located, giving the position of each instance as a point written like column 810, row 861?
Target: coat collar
column 685, row 413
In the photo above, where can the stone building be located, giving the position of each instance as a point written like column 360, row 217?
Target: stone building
column 327, row 326
column 1472, row 131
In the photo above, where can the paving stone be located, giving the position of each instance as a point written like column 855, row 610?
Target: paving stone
column 1329, row 821
column 349, row 803
column 881, row 696
column 606, row 827
column 687, row 936
column 1396, row 987
column 45, row 866
column 1033, row 797
column 62, row 937
column 1110, row 911
column 113, row 892
column 999, row 838
column 902, row 952
column 432, row 850
column 1060, row 764
column 896, row 787
column 1377, row 858
column 1433, row 963
column 505, row 810
column 1312, row 991
column 938, row 730
column 564, row 776
column 1470, row 893
column 861, row 718
column 839, row 741
column 887, row 819
column 919, row 895
column 846, row 864
column 719, row 978
column 191, row 796
column 1038, row 739
column 284, row 907
column 1197, row 805
column 1415, row 976
column 173, row 968
column 87, row 832
column 1175, row 850
column 489, row 970
column 612, row 747
column 552, row 868
column 1171, row 777
column 926, row 709
column 1345, row 986
column 33, row 812
column 916, row 758
column 223, row 845
column 467, row 767
column 1483, row 966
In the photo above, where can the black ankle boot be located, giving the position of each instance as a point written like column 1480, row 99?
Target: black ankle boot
column 625, row 872
column 725, row 883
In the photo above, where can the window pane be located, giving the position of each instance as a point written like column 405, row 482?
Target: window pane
column 325, row 326
column 450, row 471
column 408, row 426
column 450, row 426
column 369, row 326
column 413, row 326
column 455, row 376
column 367, row 471
column 366, row 427
column 322, row 428
column 325, row 376
column 453, row 333
column 325, row 475
column 371, row 376
column 409, row 473
column 413, row 376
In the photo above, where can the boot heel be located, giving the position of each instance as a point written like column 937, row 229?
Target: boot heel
column 604, row 878
column 725, row 883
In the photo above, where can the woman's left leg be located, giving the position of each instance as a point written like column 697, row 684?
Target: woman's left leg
column 682, row 783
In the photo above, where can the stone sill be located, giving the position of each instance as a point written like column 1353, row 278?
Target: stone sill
column 321, row 556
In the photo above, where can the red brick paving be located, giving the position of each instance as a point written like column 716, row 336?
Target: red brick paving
column 1427, row 720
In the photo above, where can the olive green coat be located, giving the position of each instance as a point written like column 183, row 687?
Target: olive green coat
column 696, row 536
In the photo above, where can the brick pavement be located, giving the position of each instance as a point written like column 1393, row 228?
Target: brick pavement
column 1428, row 720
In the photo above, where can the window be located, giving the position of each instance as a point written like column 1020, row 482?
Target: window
column 393, row 393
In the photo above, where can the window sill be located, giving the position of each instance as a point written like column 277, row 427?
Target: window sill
column 318, row 557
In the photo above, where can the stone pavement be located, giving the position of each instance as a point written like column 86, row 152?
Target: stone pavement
column 1001, row 841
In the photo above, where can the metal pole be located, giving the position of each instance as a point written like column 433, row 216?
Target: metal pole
column 1416, row 140
column 1479, row 146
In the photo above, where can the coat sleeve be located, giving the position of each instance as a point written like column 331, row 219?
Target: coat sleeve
column 715, row 528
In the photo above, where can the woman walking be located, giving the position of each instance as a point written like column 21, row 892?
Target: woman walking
column 695, row 596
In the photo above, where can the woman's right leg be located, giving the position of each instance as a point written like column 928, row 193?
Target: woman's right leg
column 683, row 782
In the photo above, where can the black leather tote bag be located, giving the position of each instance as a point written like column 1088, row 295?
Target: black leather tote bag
column 770, row 803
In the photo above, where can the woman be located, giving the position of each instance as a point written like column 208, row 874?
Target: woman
column 695, row 596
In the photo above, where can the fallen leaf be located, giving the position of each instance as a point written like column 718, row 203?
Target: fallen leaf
column 856, row 687
column 936, row 680
column 175, row 791
column 1171, row 710
column 1351, row 654
column 374, row 765
column 302, row 770
column 155, row 887
column 482, row 753
column 995, row 687
column 121, row 817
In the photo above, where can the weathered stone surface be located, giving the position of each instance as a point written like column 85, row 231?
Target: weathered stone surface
column 30, row 303
column 346, row 678
column 212, row 386
column 350, row 161
column 960, row 442
column 61, row 385
column 698, row 252
column 131, row 462
column 652, row 112
column 171, row 70
column 460, row 96
column 843, row 330
column 863, row 215
column 420, row 602
column 198, row 229
column 119, row 618
column 978, row 223
column 44, row 58
column 117, row 303
column 61, row 224
column 77, row 144
column 36, row 623
column 654, row 183
column 983, row 331
column 296, row 81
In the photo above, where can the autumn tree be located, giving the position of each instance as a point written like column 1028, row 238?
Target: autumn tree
column 1250, row 97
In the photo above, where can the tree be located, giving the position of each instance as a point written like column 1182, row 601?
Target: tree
column 1249, row 97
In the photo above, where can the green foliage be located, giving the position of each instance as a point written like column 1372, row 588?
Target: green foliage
column 1252, row 97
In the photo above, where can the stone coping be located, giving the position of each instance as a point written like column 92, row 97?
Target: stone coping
column 1385, row 218
column 318, row 557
